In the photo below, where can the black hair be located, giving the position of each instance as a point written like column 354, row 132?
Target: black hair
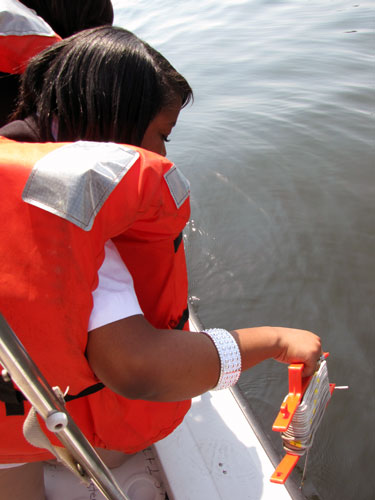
column 102, row 84
column 67, row 17
column 32, row 81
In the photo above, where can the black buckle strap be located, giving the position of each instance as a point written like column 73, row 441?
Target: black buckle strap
column 183, row 320
column 14, row 398
column 177, row 242
column 86, row 392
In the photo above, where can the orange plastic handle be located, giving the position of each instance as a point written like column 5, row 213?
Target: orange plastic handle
column 297, row 388
column 284, row 468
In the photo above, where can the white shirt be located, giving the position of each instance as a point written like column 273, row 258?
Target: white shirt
column 114, row 298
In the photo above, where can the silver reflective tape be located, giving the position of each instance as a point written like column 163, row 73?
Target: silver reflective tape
column 17, row 19
column 178, row 184
column 75, row 180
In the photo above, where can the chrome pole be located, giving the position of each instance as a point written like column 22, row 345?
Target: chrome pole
column 25, row 374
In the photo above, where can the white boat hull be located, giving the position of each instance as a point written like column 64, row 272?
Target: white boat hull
column 212, row 455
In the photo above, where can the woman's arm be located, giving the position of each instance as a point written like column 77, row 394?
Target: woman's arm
column 138, row 361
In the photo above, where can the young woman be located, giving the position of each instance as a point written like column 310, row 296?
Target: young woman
column 94, row 274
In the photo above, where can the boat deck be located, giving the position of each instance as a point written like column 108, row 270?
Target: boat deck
column 213, row 455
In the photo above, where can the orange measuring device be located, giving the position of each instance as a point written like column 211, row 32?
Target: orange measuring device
column 297, row 388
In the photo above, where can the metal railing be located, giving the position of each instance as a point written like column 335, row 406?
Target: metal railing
column 20, row 368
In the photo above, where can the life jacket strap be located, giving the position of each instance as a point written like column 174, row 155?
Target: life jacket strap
column 177, row 242
column 13, row 398
column 183, row 320
column 86, row 392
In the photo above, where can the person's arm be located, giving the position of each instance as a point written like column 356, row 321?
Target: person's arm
column 139, row 361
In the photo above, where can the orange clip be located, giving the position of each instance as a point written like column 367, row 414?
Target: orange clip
column 284, row 468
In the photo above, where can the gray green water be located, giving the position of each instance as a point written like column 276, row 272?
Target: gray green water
column 279, row 148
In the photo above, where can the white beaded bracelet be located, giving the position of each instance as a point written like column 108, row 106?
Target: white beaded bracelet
column 230, row 357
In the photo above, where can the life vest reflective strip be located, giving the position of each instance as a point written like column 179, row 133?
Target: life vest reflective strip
column 23, row 34
column 49, row 264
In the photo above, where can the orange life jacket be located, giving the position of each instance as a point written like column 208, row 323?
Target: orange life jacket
column 59, row 204
column 23, row 34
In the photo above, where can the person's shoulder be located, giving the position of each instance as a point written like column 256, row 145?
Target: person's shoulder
column 20, row 130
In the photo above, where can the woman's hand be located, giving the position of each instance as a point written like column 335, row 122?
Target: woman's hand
column 286, row 345
column 299, row 346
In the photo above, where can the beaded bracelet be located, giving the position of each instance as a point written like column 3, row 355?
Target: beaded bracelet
column 230, row 357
